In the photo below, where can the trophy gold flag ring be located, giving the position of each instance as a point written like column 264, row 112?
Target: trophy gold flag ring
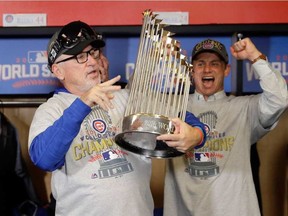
column 159, row 89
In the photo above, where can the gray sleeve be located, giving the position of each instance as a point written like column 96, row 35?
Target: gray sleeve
column 273, row 100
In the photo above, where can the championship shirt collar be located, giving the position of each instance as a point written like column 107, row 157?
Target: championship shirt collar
column 214, row 97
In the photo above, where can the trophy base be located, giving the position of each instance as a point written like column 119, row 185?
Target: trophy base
column 161, row 150
column 140, row 132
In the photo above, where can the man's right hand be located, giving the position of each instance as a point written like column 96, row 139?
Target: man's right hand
column 244, row 49
column 101, row 94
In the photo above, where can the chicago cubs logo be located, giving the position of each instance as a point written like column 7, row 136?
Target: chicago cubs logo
column 99, row 125
column 9, row 18
column 207, row 129
column 208, row 45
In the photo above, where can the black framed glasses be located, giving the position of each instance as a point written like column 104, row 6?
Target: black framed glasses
column 82, row 57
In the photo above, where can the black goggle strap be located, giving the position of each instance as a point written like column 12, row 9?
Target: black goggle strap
column 55, row 50
column 84, row 34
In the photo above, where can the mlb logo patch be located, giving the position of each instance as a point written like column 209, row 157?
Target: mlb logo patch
column 202, row 156
column 99, row 125
column 109, row 155
column 37, row 57
column 207, row 129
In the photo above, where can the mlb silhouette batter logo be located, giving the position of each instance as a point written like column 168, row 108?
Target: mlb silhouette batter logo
column 109, row 155
column 37, row 57
column 202, row 156
column 99, row 125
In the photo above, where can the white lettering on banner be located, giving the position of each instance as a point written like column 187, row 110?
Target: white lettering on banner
column 279, row 66
column 284, row 69
column 34, row 71
column 18, row 71
column 250, row 72
column 276, row 65
column 129, row 69
column 46, row 72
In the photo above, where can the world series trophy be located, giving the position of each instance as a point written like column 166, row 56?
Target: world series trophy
column 159, row 89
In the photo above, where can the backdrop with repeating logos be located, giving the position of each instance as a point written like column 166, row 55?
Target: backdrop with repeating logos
column 23, row 62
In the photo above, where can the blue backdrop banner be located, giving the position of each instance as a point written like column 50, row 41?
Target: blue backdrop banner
column 23, row 67
column 23, row 61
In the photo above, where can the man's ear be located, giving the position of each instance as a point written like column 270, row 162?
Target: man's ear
column 58, row 72
column 227, row 70
column 191, row 71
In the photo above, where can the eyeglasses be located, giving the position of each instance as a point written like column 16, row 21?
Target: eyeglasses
column 81, row 58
